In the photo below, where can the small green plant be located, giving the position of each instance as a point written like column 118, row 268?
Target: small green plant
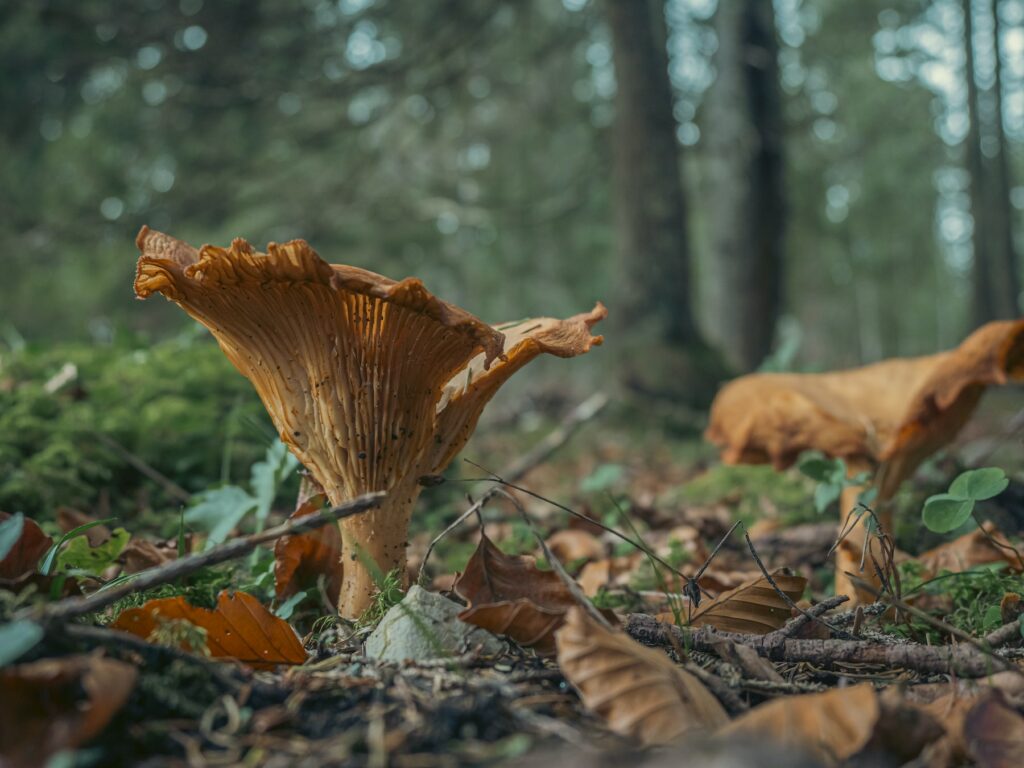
column 179, row 633
column 946, row 512
column 220, row 511
column 832, row 478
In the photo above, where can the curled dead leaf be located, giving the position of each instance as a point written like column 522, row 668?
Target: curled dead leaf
column 574, row 545
column 141, row 554
column 302, row 558
column 994, row 734
column 509, row 595
column 56, row 704
column 979, row 547
column 753, row 608
column 838, row 724
column 637, row 691
column 21, row 561
column 239, row 628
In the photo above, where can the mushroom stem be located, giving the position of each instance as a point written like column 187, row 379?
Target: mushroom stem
column 377, row 537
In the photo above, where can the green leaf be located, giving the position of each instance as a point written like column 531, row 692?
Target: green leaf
column 266, row 476
column 10, row 532
column 287, row 608
column 824, row 495
column 17, row 638
column 993, row 618
column 944, row 513
column 602, row 478
column 78, row 555
column 823, row 470
column 218, row 512
column 46, row 567
column 979, row 484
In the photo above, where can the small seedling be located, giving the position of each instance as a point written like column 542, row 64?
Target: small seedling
column 832, row 478
column 946, row 512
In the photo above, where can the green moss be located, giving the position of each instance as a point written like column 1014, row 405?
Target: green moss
column 749, row 489
column 178, row 406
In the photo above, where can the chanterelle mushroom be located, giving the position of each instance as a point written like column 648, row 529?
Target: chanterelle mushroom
column 887, row 417
column 372, row 383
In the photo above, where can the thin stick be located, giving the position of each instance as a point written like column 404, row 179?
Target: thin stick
column 786, row 598
column 556, row 566
column 72, row 607
column 519, row 468
column 942, row 626
column 157, row 477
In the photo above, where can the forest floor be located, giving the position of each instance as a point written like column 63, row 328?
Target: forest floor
column 924, row 676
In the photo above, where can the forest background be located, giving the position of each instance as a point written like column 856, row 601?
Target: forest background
column 792, row 184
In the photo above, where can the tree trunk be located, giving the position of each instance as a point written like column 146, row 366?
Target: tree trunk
column 982, row 309
column 1005, row 274
column 655, row 310
column 744, row 140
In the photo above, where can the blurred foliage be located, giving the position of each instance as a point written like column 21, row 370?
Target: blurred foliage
column 178, row 406
column 467, row 142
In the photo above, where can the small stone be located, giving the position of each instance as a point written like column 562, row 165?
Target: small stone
column 426, row 626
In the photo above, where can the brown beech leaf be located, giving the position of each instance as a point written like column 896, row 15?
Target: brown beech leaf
column 979, row 547
column 509, row 595
column 23, row 558
column 238, row 628
column 140, row 554
column 752, row 608
column 840, row 723
column 302, row 558
column 994, row 734
column 573, row 545
column 57, row 704
column 638, row 691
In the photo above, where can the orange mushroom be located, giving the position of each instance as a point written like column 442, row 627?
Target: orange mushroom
column 887, row 417
column 373, row 383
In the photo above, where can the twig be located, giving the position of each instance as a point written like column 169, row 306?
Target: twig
column 72, row 607
column 618, row 534
column 1012, row 631
column 157, row 477
column 815, row 611
column 556, row 566
column 521, row 466
column 965, row 661
column 786, row 598
column 942, row 626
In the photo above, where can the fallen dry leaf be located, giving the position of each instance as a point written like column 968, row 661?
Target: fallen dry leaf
column 69, row 518
column 56, row 704
column 994, row 734
column 23, row 558
column 753, row 608
column 140, row 554
column 839, row 724
column 639, row 692
column 238, row 628
column 573, row 545
column 979, row 547
column 301, row 559
column 608, row 573
column 509, row 595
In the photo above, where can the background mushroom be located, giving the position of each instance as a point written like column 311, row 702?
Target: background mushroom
column 886, row 417
column 372, row 383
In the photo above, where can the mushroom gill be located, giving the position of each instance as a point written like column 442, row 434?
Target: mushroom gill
column 887, row 417
column 372, row 383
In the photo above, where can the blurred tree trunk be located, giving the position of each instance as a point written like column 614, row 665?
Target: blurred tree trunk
column 656, row 305
column 995, row 269
column 1005, row 275
column 744, row 114
column 982, row 306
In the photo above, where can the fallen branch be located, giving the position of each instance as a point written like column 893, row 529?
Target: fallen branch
column 1006, row 633
column 521, row 466
column 963, row 660
column 73, row 607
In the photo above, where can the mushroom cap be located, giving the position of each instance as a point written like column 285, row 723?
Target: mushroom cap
column 897, row 411
column 370, row 381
